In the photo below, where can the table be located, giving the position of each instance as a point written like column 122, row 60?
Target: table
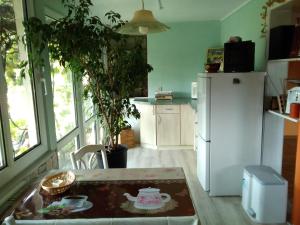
column 106, row 203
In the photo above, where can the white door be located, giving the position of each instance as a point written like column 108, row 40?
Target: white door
column 203, row 163
column 203, row 107
column 168, row 129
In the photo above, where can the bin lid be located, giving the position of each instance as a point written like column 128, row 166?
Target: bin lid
column 253, row 169
column 265, row 175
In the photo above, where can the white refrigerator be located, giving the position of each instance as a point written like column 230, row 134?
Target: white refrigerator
column 229, row 111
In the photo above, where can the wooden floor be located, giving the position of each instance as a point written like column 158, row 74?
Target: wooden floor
column 211, row 211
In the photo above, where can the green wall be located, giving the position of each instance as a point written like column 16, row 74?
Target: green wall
column 179, row 54
column 246, row 23
column 55, row 5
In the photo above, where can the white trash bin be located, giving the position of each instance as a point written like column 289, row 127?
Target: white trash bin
column 264, row 195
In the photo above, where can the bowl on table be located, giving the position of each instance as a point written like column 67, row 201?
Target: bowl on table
column 58, row 183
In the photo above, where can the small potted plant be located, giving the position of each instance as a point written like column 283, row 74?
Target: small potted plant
column 94, row 51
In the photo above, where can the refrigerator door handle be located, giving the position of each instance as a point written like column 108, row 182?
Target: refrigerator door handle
column 208, row 141
column 251, row 213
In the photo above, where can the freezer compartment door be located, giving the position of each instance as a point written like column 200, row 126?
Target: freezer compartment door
column 203, row 157
column 203, row 107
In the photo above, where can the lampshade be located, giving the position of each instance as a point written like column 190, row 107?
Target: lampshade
column 143, row 22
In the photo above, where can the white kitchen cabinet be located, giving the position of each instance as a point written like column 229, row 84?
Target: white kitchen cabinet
column 168, row 129
column 167, row 126
column 187, row 120
column 167, row 109
column 147, row 125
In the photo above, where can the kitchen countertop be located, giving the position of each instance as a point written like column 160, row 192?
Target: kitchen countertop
column 175, row 101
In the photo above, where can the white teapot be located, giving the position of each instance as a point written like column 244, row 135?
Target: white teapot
column 149, row 198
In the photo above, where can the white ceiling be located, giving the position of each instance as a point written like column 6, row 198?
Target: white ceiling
column 174, row 10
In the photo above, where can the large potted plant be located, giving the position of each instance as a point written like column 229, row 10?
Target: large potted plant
column 94, row 51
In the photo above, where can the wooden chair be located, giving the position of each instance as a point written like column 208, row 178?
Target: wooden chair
column 78, row 161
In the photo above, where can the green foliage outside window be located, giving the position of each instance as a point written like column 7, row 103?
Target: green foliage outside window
column 11, row 63
column 62, row 86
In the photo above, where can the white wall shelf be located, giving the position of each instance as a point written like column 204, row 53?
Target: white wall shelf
column 284, row 116
column 284, row 60
column 294, row 81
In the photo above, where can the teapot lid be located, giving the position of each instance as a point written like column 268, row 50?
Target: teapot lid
column 149, row 189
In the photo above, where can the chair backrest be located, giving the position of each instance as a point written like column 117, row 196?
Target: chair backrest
column 77, row 157
column 10, row 220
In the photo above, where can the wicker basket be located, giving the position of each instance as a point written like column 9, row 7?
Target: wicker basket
column 127, row 138
column 58, row 183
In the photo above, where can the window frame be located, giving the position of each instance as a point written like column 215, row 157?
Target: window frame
column 92, row 121
column 33, row 83
column 74, row 90
column 15, row 169
column 16, row 165
column 36, row 117
column 2, row 149
column 79, row 131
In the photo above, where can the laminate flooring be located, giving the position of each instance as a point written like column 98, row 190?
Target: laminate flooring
column 211, row 211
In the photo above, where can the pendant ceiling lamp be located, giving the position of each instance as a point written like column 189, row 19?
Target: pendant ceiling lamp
column 142, row 23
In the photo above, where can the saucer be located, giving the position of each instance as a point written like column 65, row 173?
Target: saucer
column 149, row 207
column 86, row 205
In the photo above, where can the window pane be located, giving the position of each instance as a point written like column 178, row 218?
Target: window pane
column 2, row 159
column 62, row 85
column 90, row 134
column 64, row 159
column 88, row 107
column 20, row 92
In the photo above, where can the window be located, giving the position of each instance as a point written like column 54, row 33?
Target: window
column 63, row 100
column 2, row 159
column 88, row 108
column 90, row 119
column 1, row 156
column 90, row 133
column 20, row 92
column 23, row 130
column 64, row 159
column 21, row 109
column 37, row 113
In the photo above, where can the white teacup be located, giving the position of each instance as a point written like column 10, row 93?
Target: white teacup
column 76, row 201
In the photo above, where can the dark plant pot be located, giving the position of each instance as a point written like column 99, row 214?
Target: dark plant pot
column 116, row 158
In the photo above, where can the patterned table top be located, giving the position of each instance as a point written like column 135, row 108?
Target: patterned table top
column 104, row 190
